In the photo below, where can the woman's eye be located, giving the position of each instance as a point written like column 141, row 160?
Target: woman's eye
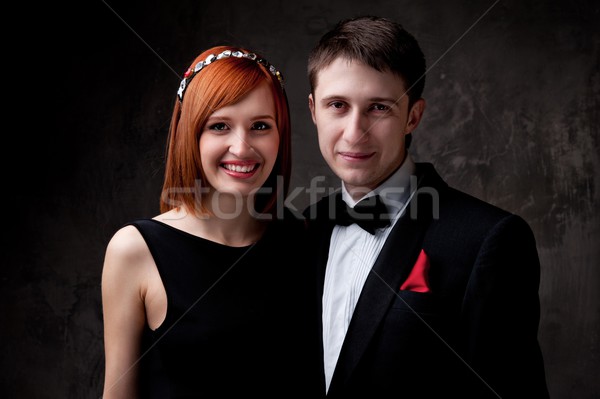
column 260, row 126
column 218, row 126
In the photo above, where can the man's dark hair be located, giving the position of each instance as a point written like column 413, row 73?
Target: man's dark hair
column 374, row 41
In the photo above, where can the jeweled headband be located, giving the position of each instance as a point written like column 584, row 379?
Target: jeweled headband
column 191, row 72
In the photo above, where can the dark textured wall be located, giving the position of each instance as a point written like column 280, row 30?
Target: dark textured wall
column 513, row 114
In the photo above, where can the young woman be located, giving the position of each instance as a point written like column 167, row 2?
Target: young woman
column 204, row 300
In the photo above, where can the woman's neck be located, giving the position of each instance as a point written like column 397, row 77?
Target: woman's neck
column 229, row 221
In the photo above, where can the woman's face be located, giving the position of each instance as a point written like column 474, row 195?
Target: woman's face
column 239, row 144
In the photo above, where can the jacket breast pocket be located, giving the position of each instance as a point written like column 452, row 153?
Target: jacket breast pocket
column 417, row 302
column 412, row 327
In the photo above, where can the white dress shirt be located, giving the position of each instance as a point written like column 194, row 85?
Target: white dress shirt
column 352, row 253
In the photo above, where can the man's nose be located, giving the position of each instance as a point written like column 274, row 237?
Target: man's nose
column 357, row 127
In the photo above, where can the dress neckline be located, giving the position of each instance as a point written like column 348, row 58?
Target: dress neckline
column 203, row 239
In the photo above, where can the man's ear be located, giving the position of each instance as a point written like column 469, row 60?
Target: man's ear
column 414, row 115
column 311, row 106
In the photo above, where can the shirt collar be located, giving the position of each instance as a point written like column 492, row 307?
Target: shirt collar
column 394, row 191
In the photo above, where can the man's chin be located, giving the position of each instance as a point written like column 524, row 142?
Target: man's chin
column 357, row 185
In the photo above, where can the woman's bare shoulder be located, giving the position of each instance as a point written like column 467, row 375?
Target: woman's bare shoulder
column 127, row 252
column 127, row 243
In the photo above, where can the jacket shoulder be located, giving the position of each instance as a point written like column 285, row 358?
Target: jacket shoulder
column 321, row 210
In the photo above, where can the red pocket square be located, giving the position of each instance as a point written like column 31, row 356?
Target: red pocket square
column 418, row 279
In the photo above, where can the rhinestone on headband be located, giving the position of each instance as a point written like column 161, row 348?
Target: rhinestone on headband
column 191, row 72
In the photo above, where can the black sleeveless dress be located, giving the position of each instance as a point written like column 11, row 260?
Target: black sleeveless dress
column 236, row 322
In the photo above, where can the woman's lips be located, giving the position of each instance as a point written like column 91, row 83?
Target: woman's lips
column 240, row 169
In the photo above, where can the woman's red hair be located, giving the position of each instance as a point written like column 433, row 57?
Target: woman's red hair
column 222, row 83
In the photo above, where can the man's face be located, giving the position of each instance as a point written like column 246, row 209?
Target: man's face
column 362, row 118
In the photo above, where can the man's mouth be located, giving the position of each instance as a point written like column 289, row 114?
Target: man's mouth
column 355, row 156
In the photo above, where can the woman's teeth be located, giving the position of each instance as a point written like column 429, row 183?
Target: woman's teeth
column 240, row 168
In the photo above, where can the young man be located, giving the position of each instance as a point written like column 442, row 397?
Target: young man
column 439, row 295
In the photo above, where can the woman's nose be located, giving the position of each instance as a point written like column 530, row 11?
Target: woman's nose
column 240, row 145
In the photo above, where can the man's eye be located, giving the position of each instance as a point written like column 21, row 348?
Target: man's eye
column 380, row 107
column 337, row 104
column 218, row 126
column 260, row 126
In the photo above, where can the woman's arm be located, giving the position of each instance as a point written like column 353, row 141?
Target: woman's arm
column 123, row 290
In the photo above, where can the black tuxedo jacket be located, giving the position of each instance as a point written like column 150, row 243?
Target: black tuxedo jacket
column 474, row 335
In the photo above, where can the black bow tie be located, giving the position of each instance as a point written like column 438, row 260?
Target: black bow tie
column 369, row 213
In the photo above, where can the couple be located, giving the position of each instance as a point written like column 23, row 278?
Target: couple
column 396, row 286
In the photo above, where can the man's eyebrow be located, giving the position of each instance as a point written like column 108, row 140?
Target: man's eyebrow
column 334, row 97
column 372, row 99
column 383, row 99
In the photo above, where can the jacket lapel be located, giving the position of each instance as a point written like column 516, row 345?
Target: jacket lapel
column 391, row 268
column 321, row 221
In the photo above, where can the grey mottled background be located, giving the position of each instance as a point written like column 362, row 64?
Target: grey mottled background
column 513, row 117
